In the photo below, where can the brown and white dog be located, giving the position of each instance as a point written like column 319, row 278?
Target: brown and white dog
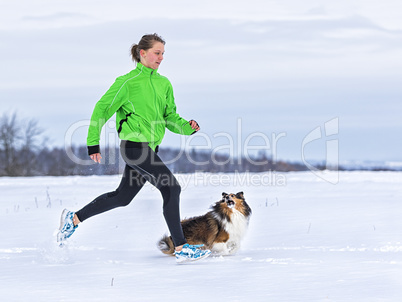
column 220, row 230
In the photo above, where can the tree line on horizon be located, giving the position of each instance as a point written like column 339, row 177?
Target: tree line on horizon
column 25, row 151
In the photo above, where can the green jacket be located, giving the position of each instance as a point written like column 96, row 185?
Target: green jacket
column 144, row 105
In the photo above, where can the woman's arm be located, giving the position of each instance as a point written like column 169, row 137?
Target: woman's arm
column 104, row 109
column 174, row 122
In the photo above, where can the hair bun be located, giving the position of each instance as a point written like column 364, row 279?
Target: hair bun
column 135, row 53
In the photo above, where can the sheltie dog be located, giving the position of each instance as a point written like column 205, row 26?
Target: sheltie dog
column 220, row 230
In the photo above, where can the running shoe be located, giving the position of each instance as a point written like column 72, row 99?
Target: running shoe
column 67, row 227
column 191, row 253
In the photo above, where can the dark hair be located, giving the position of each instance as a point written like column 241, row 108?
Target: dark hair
column 146, row 42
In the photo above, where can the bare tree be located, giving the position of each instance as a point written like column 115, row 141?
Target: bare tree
column 19, row 145
column 30, row 147
column 9, row 138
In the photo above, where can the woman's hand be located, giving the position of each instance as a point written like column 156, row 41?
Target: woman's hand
column 96, row 157
column 194, row 125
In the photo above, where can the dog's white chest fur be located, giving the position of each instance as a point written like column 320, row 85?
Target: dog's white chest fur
column 236, row 229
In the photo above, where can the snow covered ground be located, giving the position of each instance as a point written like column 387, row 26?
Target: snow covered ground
column 308, row 240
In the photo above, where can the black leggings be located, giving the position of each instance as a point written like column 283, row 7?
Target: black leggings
column 142, row 165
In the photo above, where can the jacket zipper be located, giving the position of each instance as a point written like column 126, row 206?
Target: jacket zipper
column 152, row 84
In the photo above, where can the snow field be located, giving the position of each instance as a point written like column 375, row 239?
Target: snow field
column 308, row 240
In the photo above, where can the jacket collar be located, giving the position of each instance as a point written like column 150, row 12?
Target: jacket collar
column 146, row 70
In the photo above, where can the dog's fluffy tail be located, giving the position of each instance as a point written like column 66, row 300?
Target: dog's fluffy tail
column 166, row 245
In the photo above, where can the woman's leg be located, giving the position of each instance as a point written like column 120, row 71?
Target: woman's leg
column 151, row 167
column 131, row 183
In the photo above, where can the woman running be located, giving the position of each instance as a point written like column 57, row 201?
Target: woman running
column 144, row 105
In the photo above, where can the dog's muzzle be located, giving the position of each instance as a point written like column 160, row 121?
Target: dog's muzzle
column 229, row 202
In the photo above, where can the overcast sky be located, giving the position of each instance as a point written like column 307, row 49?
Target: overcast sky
column 277, row 70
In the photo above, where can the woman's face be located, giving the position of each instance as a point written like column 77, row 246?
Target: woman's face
column 152, row 58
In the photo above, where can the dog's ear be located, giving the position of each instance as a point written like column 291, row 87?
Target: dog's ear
column 224, row 194
column 240, row 195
